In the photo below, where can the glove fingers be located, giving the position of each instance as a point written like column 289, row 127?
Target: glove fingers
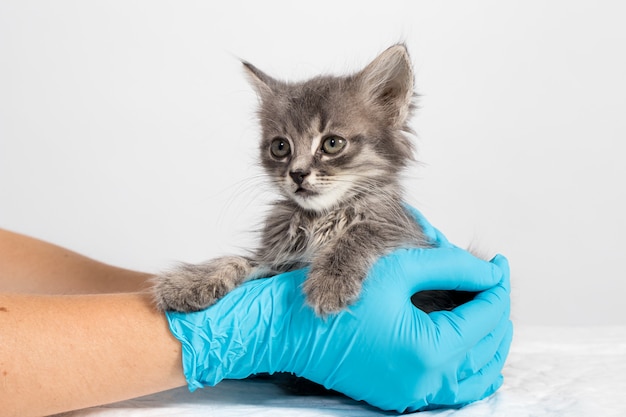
column 488, row 379
column 501, row 262
column 433, row 234
column 493, row 388
column 485, row 350
column 469, row 323
column 435, row 269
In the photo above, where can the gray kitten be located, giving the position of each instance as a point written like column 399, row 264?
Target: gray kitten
column 334, row 147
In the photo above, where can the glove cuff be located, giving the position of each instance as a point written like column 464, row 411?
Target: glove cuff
column 208, row 356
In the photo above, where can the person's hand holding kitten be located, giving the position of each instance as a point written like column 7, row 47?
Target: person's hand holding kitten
column 391, row 355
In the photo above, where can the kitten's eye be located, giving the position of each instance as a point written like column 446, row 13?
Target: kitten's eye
column 280, row 147
column 333, row 144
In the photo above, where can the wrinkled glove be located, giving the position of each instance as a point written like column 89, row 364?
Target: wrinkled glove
column 381, row 349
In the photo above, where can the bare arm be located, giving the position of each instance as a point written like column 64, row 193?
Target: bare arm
column 29, row 265
column 64, row 352
column 60, row 353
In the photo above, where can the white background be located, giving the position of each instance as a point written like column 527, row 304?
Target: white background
column 127, row 129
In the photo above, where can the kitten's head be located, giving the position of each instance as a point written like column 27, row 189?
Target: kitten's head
column 330, row 139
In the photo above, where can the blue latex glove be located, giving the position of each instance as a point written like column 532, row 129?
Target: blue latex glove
column 434, row 235
column 381, row 350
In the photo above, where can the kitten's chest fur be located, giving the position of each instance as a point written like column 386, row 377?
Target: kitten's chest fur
column 293, row 237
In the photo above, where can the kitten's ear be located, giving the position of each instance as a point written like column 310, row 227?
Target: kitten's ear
column 388, row 82
column 262, row 83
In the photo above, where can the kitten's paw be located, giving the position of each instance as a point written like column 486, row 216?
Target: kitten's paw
column 329, row 293
column 177, row 291
column 196, row 287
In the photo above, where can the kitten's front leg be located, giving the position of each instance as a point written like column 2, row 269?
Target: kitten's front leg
column 195, row 287
column 337, row 273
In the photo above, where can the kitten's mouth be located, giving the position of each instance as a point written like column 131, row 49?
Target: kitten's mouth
column 304, row 192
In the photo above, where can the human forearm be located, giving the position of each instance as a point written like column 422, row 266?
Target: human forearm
column 29, row 265
column 59, row 353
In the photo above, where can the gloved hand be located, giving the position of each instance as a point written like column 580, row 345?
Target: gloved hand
column 381, row 350
column 432, row 233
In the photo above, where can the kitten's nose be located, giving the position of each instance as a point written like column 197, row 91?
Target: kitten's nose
column 298, row 176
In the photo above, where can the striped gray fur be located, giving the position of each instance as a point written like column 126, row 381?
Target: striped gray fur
column 334, row 147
